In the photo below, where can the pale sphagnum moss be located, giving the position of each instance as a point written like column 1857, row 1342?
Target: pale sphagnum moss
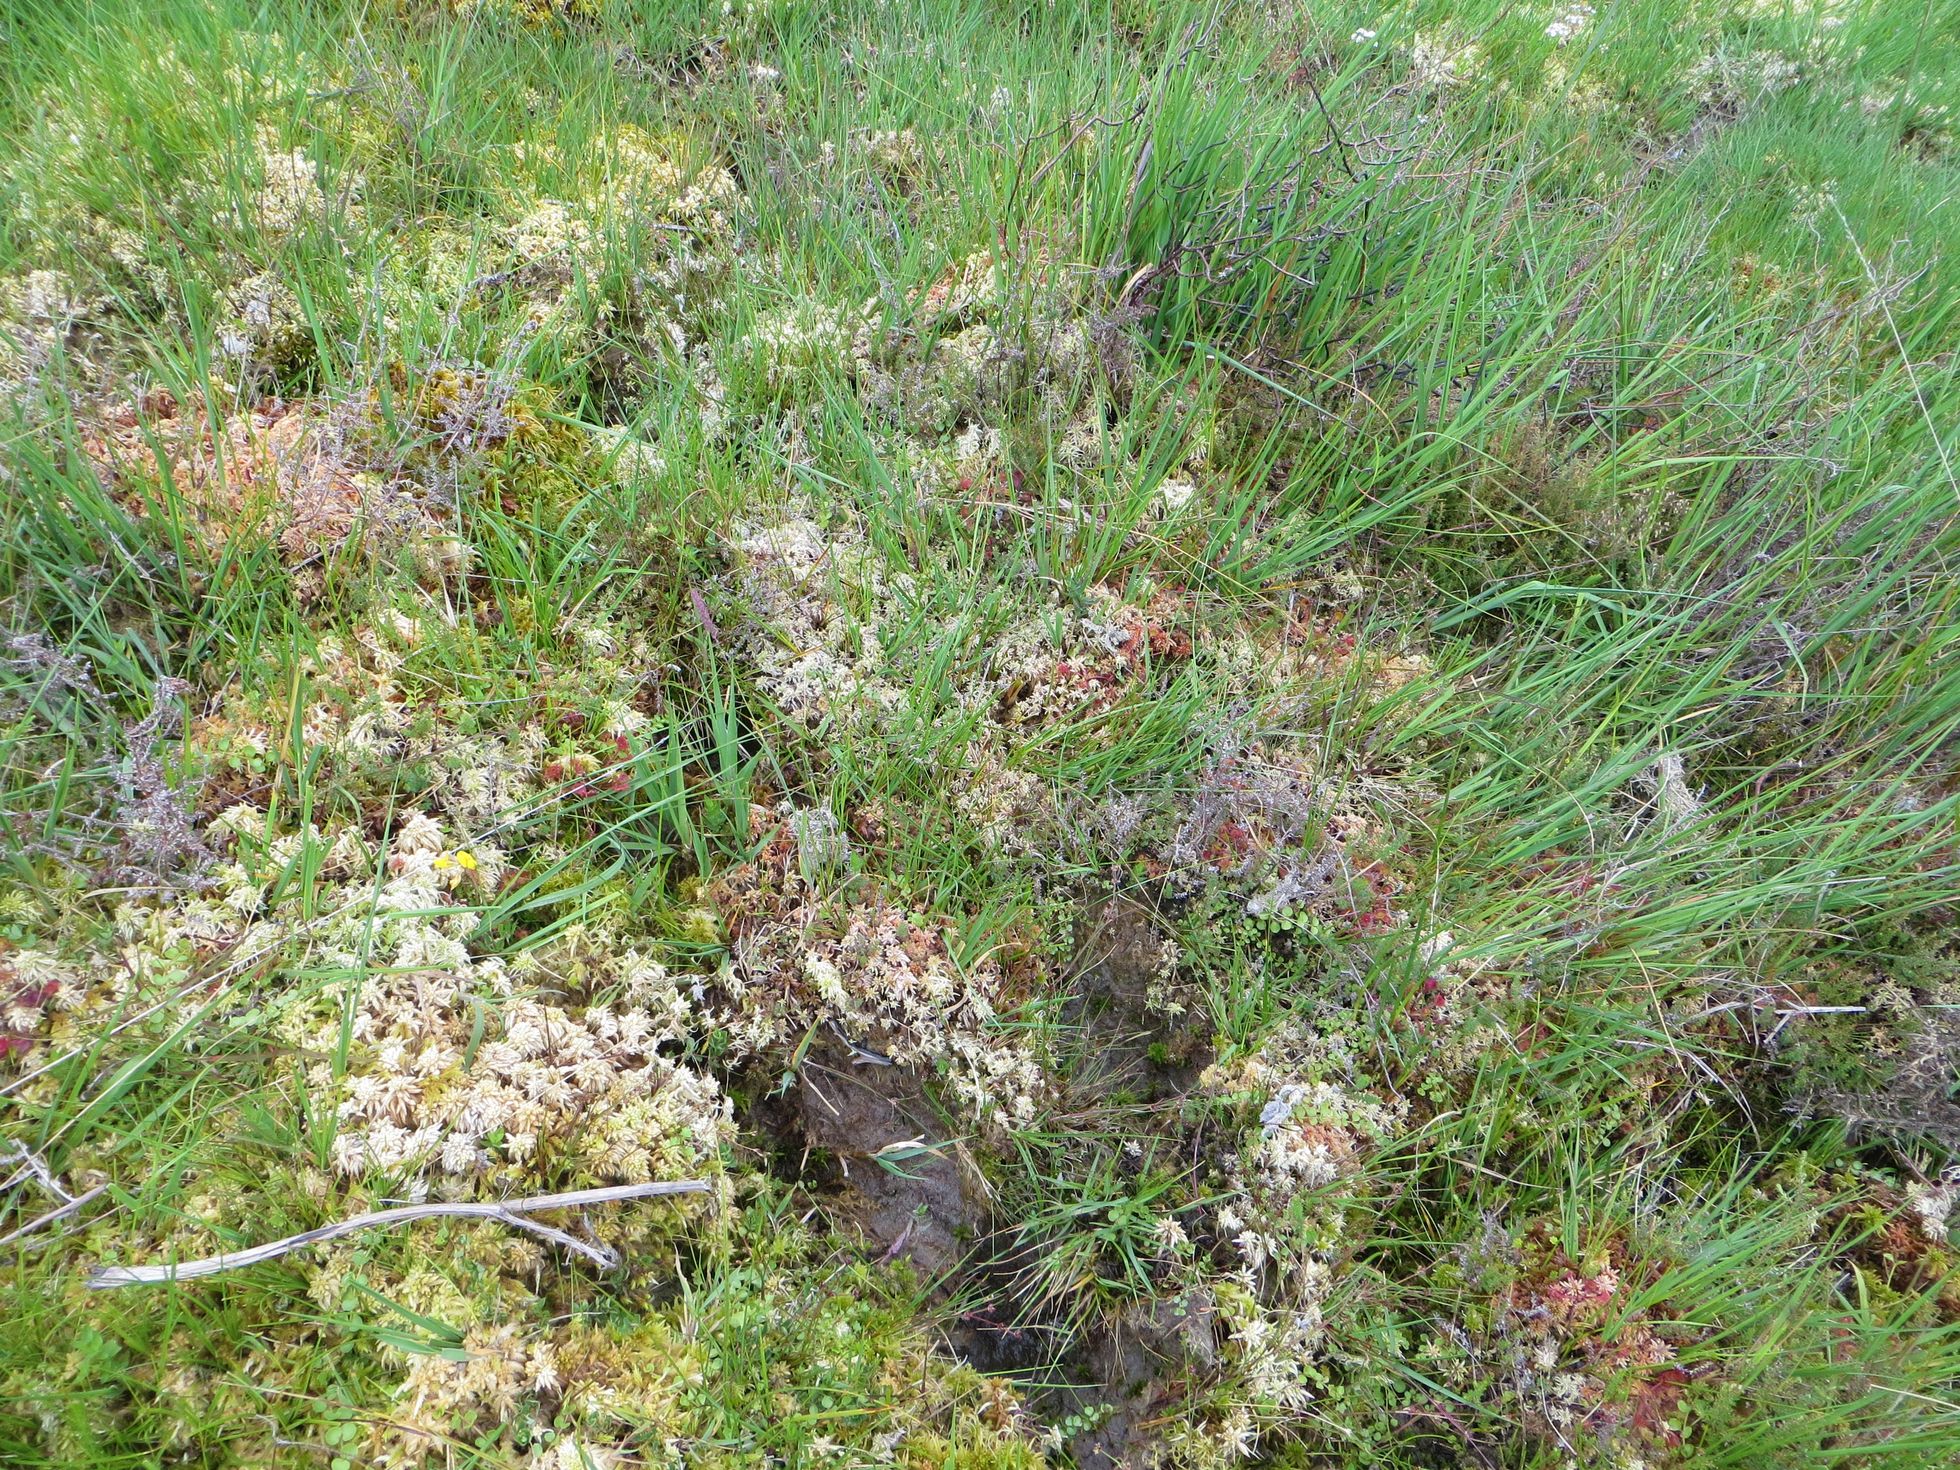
column 1243, row 719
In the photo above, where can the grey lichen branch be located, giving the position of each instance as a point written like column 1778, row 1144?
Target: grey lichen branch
column 509, row 1212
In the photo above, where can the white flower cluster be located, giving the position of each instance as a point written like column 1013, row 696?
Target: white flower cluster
column 647, row 182
column 588, row 1094
column 476, row 778
column 38, row 310
column 877, row 976
column 34, row 981
column 815, row 658
column 970, row 291
column 152, row 943
column 1071, row 661
column 267, row 323
column 485, row 1382
column 289, row 193
column 1569, row 22
column 1729, row 81
column 1272, row 1349
column 1313, row 1130
column 680, row 227
column 1929, row 1206
column 890, row 982
column 1547, row 1339
column 896, row 155
column 813, row 607
column 552, row 232
column 456, row 1075
column 803, row 344
column 1010, row 808
column 1437, row 63
column 452, row 1070
column 968, row 348
column 1316, row 1127
column 44, row 298
column 1671, row 803
column 1174, row 495
column 1273, row 1302
column 634, row 205
column 979, row 367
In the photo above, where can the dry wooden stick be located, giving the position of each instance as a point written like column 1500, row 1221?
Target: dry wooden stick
column 59, row 1212
column 510, row 1212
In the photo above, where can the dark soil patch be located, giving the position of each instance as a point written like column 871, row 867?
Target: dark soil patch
column 1127, row 1046
column 993, row 1332
column 1134, row 1060
column 918, row 1205
column 772, row 1125
column 1136, row 1369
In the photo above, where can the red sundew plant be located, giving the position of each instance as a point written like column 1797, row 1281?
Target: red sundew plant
column 23, row 1006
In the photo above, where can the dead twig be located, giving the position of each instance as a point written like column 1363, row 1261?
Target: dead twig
column 509, row 1212
column 32, row 1166
column 59, row 1212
